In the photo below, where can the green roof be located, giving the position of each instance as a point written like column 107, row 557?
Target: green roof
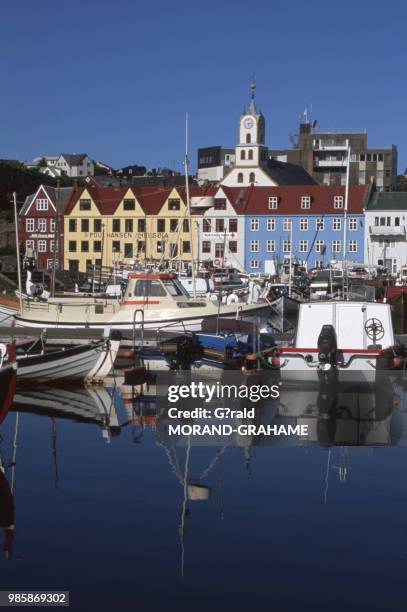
column 388, row 200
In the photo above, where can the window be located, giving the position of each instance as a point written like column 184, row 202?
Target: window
column 319, row 246
column 240, row 177
column 273, row 202
column 173, row 225
column 233, row 226
column 72, row 246
column 219, row 250
column 174, row 204
column 219, row 225
column 233, row 246
column 252, row 177
column 128, row 249
column 397, row 221
column 73, row 265
column 271, row 225
column 376, row 221
column 338, row 201
column 84, row 204
column 97, row 225
column 84, row 246
column 29, row 244
column 97, row 246
column 248, row 138
column 382, row 221
column 305, row 201
column 254, row 225
column 141, row 225
column 206, row 246
column 116, row 246
column 220, row 204
column 336, row 224
column 303, row 224
column 116, row 225
column 242, row 154
column 206, row 225
column 129, row 205
column 42, row 204
column 185, row 225
column 286, row 246
column 353, row 246
column 186, row 246
column 173, row 249
column 303, row 246
column 271, row 246
column 29, row 225
column 353, row 224
column 336, row 246
column 42, row 225
column 287, row 225
column 42, row 246
column 141, row 246
column 160, row 225
column 84, row 225
column 254, row 246
column 149, row 288
column 52, row 225
column 254, row 263
column 319, row 224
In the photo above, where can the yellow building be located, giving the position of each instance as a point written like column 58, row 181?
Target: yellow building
column 106, row 225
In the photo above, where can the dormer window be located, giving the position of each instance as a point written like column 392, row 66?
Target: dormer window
column 220, row 204
column 84, row 204
column 305, row 202
column 42, row 204
column 273, row 202
column 174, row 204
column 338, row 202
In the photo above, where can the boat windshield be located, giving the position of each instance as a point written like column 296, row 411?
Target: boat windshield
column 148, row 288
column 174, row 287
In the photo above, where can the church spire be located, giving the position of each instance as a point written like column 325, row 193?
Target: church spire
column 252, row 106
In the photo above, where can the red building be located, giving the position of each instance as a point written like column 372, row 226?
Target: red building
column 41, row 225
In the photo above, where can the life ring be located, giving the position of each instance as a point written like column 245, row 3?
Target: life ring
column 232, row 299
column 217, row 262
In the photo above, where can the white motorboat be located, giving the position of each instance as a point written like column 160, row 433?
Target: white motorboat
column 352, row 339
column 151, row 301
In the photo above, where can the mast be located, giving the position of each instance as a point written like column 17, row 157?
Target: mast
column 345, row 221
column 189, row 207
column 291, row 258
column 17, row 250
column 55, row 241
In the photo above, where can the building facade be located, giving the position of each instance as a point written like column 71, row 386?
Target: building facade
column 75, row 165
column 307, row 222
column 41, row 225
column 385, row 236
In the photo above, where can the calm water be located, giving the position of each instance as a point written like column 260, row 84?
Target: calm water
column 100, row 510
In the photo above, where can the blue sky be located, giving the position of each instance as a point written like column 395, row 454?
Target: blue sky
column 115, row 79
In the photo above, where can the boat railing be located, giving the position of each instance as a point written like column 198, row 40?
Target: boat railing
column 138, row 310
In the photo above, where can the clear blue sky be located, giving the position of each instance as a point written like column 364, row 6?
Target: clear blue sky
column 115, row 78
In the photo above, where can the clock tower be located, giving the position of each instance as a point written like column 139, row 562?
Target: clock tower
column 251, row 151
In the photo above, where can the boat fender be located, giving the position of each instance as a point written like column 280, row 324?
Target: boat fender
column 213, row 297
column 232, row 299
column 224, row 299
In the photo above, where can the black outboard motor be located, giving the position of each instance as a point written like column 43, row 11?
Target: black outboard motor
column 327, row 345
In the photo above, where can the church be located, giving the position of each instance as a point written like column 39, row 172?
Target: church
column 250, row 164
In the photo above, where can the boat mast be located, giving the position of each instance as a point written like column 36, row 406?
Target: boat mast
column 55, row 241
column 345, row 221
column 17, row 251
column 189, row 207
column 291, row 258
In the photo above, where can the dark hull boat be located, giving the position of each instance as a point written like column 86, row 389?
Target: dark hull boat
column 8, row 371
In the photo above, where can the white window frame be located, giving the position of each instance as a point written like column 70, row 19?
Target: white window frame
column 42, row 246
column 303, row 246
column 338, row 201
column 287, row 224
column 304, row 224
column 30, row 225
column 286, row 246
column 254, row 246
column 353, row 246
column 271, row 225
column 353, row 224
column 52, row 225
column 319, row 244
column 320, row 224
column 42, row 225
column 255, row 264
column 336, row 246
column 273, row 202
column 305, row 202
column 29, row 244
column 336, row 224
column 254, row 224
column 41, row 204
column 271, row 246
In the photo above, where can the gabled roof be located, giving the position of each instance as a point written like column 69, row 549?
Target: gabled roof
column 387, row 200
column 59, row 198
column 73, row 159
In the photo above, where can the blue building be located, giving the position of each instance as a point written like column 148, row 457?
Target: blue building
column 312, row 216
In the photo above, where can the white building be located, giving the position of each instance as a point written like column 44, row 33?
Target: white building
column 75, row 165
column 385, row 230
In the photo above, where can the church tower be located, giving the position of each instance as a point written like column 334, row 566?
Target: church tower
column 251, row 151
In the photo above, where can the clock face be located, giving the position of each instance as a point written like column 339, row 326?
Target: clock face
column 248, row 122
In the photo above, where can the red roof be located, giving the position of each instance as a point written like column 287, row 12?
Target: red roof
column 255, row 200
